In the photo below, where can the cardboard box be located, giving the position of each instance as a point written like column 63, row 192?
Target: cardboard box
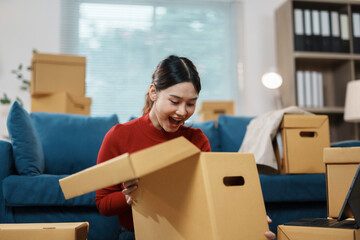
column 341, row 166
column 44, row 231
column 57, row 73
column 303, row 139
column 61, row 102
column 182, row 193
column 316, row 233
column 210, row 110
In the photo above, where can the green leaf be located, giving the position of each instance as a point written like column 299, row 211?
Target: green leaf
column 29, row 68
column 20, row 66
column 19, row 76
column 26, row 82
column 20, row 101
column 34, row 51
column 14, row 71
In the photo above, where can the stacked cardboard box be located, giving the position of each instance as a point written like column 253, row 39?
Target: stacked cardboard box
column 182, row 193
column 303, row 138
column 58, row 84
column 341, row 165
column 45, row 231
column 210, row 110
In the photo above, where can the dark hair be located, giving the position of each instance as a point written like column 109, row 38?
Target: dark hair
column 170, row 71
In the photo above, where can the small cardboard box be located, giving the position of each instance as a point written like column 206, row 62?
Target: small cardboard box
column 303, row 139
column 341, row 166
column 316, row 233
column 182, row 193
column 57, row 73
column 61, row 102
column 210, row 110
column 44, row 231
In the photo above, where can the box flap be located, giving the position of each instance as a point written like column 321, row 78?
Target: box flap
column 342, row 155
column 303, row 121
column 68, row 225
column 126, row 167
column 79, row 100
column 162, row 155
column 58, row 58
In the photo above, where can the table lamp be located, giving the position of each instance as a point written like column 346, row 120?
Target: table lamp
column 352, row 104
column 273, row 80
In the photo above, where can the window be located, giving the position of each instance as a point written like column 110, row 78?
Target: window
column 124, row 41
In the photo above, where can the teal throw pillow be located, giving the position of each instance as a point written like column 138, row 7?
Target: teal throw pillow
column 27, row 149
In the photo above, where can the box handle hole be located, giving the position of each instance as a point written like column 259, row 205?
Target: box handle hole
column 233, row 181
column 308, row 134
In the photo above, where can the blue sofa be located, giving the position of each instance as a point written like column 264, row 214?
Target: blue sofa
column 46, row 147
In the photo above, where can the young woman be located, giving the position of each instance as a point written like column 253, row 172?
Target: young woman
column 170, row 101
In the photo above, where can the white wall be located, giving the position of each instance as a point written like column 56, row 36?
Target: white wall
column 24, row 26
column 27, row 25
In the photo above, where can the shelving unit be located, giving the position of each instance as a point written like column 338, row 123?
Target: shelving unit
column 337, row 69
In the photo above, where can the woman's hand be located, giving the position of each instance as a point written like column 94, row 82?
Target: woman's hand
column 129, row 187
column 270, row 235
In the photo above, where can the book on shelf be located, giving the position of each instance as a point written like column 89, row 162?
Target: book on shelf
column 335, row 32
column 308, row 30
column 325, row 31
column 344, row 30
column 309, row 89
column 299, row 30
column 356, row 31
column 316, row 37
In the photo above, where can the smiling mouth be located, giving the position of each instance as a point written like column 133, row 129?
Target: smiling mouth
column 174, row 123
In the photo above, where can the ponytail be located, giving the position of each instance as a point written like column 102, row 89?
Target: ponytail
column 148, row 104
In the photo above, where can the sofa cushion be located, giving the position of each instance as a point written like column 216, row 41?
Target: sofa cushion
column 210, row 130
column 42, row 190
column 232, row 131
column 27, row 149
column 293, row 188
column 70, row 142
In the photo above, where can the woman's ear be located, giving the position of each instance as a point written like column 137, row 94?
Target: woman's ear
column 152, row 92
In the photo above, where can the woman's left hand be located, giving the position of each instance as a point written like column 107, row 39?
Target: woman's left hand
column 270, row 235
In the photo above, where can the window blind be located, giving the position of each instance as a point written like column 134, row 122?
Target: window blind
column 124, row 41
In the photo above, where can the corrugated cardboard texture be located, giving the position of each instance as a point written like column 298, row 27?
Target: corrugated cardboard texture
column 304, row 137
column 210, row 110
column 201, row 206
column 342, row 155
column 45, row 231
column 316, row 233
column 126, row 167
column 341, row 166
column 184, row 194
column 58, row 73
column 61, row 102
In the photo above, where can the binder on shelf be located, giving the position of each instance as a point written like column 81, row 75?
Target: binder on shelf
column 308, row 31
column 335, row 32
column 316, row 37
column 314, row 89
column 325, row 30
column 356, row 31
column 344, row 30
column 299, row 30
column 308, row 86
column 320, row 89
column 300, row 88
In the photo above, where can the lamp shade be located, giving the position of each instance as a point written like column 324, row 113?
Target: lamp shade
column 352, row 102
column 271, row 80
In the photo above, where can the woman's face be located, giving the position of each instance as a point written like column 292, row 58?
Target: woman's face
column 172, row 106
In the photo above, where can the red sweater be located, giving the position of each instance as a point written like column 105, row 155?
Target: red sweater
column 130, row 137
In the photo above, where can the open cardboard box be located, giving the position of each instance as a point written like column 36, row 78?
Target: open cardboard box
column 183, row 193
column 303, row 138
column 44, row 231
column 57, row 73
column 316, row 233
column 341, row 166
column 61, row 102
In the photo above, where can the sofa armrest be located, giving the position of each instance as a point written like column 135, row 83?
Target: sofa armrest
column 7, row 168
column 6, row 160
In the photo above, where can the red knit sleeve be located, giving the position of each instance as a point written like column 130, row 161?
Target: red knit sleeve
column 110, row 201
column 200, row 140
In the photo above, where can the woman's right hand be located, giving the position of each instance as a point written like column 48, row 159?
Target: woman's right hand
column 129, row 187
